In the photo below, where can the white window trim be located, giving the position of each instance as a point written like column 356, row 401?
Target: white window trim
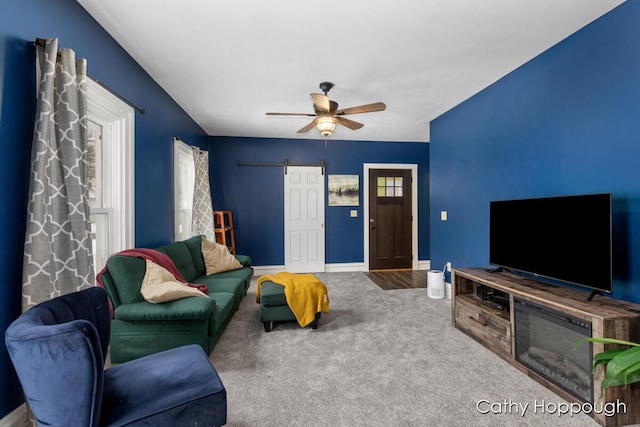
column 181, row 150
column 117, row 119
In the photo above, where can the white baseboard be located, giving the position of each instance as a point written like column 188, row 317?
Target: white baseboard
column 344, row 267
column 260, row 270
column 424, row 265
column 17, row 418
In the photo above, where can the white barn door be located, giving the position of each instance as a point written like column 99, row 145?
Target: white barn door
column 304, row 219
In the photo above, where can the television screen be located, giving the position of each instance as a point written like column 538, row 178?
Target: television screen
column 565, row 238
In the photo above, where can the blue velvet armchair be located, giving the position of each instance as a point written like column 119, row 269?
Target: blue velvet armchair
column 58, row 349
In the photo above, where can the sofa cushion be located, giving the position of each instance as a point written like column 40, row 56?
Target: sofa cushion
column 181, row 257
column 181, row 309
column 225, row 306
column 159, row 285
column 217, row 258
column 127, row 274
column 245, row 274
column 229, row 285
column 194, row 245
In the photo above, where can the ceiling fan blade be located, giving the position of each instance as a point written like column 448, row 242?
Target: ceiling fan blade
column 321, row 102
column 348, row 123
column 368, row 108
column 291, row 114
column 308, row 127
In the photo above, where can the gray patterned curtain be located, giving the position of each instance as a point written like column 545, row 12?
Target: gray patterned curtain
column 58, row 247
column 202, row 216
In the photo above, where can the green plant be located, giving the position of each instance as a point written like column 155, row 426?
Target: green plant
column 622, row 365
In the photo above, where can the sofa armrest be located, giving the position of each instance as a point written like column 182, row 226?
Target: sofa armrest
column 245, row 260
column 185, row 309
column 110, row 287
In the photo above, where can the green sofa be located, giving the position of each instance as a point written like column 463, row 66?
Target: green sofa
column 139, row 328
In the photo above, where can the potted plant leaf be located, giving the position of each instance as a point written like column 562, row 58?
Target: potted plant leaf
column 622, row 365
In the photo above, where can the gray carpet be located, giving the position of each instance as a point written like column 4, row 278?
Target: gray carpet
column 379, row 358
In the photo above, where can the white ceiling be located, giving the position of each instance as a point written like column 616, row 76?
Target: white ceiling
column 227, row 63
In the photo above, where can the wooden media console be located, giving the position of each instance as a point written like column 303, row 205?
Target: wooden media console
column 483, row 306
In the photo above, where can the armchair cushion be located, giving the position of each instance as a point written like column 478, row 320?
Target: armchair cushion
column 161, row 397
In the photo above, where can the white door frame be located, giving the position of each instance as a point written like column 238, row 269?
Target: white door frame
column 304, row 264
column 414, row 207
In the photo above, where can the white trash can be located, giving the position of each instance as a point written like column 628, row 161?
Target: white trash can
column 435, row 284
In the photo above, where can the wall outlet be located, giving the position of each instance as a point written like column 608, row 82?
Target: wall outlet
column 449, row 266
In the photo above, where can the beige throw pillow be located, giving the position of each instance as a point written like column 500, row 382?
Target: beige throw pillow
column 217, row 258
column 159, row 285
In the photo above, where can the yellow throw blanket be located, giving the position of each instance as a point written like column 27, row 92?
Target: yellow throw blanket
column 305, row 294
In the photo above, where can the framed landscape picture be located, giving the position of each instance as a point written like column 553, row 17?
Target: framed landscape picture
column 344, row 190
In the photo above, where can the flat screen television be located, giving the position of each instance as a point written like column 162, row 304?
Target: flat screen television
column 565, row 238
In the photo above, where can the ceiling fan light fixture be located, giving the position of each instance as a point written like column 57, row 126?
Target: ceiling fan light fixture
column 327, row 115
column 326, row 125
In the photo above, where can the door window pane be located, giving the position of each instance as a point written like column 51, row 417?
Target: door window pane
column 390, row 186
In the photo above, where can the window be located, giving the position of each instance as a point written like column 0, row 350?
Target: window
column 389, row 186
column 184, row 173
column 110, row 130
column 99, row 216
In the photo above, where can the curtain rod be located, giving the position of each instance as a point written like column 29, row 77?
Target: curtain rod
column 286, row 163
column 41, row 42
column 177, row 138
column 117, row 95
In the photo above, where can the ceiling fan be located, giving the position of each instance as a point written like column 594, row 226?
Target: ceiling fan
column 327, row 115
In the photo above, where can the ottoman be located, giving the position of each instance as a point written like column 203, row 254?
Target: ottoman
column 274, row 307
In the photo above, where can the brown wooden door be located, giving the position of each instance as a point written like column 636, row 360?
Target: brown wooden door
column 390, row 219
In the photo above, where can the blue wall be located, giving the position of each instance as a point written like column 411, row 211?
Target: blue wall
column 567, row 122
column 258, row 220
column 564, row 123
column 255, row 194
column 21, row 21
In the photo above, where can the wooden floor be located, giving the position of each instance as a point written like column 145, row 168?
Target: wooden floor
column 399, row 279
